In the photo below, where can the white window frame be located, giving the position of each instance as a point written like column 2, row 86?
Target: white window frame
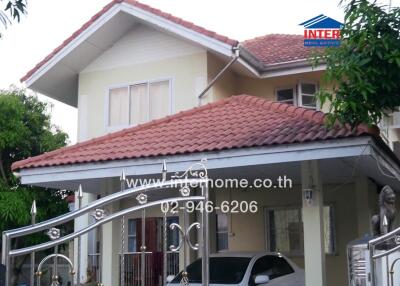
column 128, row 85
column 300, row 97
column 292, row 87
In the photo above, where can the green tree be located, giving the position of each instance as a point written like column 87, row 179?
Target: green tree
column 25, row 130
column 12, row 11
column 365, row 69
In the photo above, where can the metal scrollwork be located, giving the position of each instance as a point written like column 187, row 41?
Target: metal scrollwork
column 53, row 233
column 185, row 191
column 184, row 236
column 98, row 214
column 142, row 199
column 197, row 170
column 196, row 245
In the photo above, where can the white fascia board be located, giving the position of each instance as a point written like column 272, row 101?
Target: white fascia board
column 283, row 71
column 249, row 67
column 203, row 40
column 383, row 160
column 72, row 45
column 215, row 160
column 146, row 16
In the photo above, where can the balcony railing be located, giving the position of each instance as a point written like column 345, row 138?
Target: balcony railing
column 153, row 267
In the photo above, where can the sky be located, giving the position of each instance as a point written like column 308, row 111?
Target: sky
column 49, row 22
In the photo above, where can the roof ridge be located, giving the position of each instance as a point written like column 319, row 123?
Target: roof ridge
column 124, row 131
column 266, row 35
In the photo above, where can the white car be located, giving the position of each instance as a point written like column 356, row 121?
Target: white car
column 245, row 269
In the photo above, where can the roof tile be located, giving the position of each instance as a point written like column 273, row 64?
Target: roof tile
column 237, row 122
column 279, row 48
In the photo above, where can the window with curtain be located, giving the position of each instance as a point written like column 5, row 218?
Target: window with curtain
column 285, row 230
column 118, row 106
column 138, row 103
column 222, row 232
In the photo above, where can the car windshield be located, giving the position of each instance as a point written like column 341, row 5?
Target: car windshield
column 223, row 270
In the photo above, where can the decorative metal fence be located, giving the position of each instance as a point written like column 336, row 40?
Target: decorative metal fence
column 385, row 259
column 144, row 268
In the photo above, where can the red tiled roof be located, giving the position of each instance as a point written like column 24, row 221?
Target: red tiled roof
column 142, row 6
column 237, row 122
column 278, row 48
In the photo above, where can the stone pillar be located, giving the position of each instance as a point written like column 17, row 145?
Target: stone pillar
column 314, row 249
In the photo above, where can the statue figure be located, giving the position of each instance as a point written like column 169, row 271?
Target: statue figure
column 382, row 223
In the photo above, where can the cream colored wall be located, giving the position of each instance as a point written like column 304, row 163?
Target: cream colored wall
column 184, row 72
column 143, row 54
column 232, row 83
column 226, row 84
column 248, row 231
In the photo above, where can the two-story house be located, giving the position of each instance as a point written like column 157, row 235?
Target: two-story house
column 136, row 75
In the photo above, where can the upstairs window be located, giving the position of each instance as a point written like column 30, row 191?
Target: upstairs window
column 302, row 94
column 286, row 95
column 138, row 103
column 306, row 92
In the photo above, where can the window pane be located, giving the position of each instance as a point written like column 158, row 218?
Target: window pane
column 118, row 107
column 308, row 100
column 222, row 241
column 222, row 232
column 139, row 104
column 159, row 99
column 132, row 244
column 287, row 230
column 222, row 222
column 308, row 88
column 131, row 227
column 285, row 95
column 172, row 235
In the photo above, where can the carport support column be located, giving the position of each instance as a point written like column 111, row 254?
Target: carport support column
column 314, row 249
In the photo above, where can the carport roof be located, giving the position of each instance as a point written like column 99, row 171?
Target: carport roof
column 237, row 122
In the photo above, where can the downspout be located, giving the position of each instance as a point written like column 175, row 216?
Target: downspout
column 235, row 56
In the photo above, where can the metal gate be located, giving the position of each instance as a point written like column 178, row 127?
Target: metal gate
column 181, row 188
column 385, row 259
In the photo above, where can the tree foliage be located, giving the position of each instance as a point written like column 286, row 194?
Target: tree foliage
column 25, row 130
column 365, row 69
column 12, row 11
